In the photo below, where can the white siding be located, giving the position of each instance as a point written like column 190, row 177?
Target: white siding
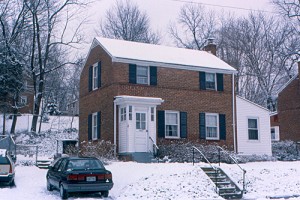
column 245, row 110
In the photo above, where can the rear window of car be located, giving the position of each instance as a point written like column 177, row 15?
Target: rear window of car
column 84, row 164
column 4, row 161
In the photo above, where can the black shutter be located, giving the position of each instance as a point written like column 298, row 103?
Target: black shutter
column 222, row 128
column 183, row 124
column 202, row 128
column 202, row 80
column 220, row 84
column 99, row 74
column 90, row 127
column 98, row 125
column 161, row 123
column 153, row 75
column 90, row 78
column 132, row 73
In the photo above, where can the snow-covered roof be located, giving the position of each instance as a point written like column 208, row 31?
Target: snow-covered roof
column 164, row 56
column 255, row 104
column 2, row 152
column 287, row 83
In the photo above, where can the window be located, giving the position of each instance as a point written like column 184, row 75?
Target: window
column 152, row 114
column 141, row 121
column 210, row 81
column 94, row 126
column 172, row 124
column 123, row 114
column 95, row 77
column 130, row 113
column 23, row 100
column 212, row 126
column 253, row 128
column 273, row 137
column 142, row 75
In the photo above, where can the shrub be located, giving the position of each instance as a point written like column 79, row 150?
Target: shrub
column 103, row 150
column 286, row 150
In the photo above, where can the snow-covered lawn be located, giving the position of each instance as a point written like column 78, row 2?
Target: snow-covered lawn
column 167, row 181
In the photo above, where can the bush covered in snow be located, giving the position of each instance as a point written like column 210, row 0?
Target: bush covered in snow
column 286, row 150
column 103, row 150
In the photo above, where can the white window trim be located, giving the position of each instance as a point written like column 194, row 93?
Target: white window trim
column 258, row 128
column 94, row 124
column 148, row 73
column 123, row 114
column 218, row 127
column 25, row 99
column 215, row 75
column 178, row 123
column 95, row 84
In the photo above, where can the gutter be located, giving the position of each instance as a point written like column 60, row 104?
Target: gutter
column 233, row 115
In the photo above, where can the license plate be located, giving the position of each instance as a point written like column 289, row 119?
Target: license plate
column 91, row 178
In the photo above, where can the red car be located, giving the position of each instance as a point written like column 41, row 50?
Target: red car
column 79, row 174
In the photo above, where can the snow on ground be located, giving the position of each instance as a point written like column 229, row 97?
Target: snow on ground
column 167, row 181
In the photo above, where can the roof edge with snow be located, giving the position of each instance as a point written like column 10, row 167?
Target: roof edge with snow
column 255, row 104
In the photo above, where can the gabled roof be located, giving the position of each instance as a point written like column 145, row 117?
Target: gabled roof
column 242, row 98
column 172, row 57
column 287, row 83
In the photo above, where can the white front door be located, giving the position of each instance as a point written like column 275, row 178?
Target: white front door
column 141, row 132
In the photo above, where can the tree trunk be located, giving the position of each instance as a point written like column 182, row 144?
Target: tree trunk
column 14, row 122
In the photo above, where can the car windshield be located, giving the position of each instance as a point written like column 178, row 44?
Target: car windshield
column 4, row 161
column 84, row 164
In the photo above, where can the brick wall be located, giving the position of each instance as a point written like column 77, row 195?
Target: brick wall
column 289, row 111
column 178, row 88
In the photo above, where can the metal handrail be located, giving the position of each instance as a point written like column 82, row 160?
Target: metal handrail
column 235, row 161
column 155, row 147
column 213, row 167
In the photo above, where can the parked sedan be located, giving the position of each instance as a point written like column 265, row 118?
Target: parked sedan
column 76, row 174
column 7, row 168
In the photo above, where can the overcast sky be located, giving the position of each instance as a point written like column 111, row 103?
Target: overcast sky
column 161, row 12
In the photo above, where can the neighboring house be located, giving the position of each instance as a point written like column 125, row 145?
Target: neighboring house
column 289, row 109
column 26, row 101
column 73, row 108
column 137, row 94
column 275, row 135
column 253, row 128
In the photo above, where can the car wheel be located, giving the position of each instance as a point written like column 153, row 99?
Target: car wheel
column 63, row 192
column 105, row 193
column 49, row 186
column 12, row 183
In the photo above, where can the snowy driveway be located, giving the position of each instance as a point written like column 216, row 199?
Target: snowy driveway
column 179, row 181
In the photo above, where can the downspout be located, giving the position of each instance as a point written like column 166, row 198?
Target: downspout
column 115, row 129
column 233, row 114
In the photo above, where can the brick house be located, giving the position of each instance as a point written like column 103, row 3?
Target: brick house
column 289, row 109
column 26, row 100
column 136, row 94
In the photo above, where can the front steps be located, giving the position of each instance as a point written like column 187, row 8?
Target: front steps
column 226, row 188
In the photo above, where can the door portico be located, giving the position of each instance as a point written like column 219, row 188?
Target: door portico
column 136, row 123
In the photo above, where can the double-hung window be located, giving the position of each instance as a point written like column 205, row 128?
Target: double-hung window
column 123, row 114
column 94, row 126
column 95, row 77
column 253, row 128
column 212, row 126
column 23, row 100
column 210, row 81
column 172, row 124
column 142, row 75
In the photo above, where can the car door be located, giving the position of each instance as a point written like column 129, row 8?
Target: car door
column 52, row 173
column 59, row 175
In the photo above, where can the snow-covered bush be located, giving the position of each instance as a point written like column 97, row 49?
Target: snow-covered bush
column 104, row 150
column 286, row 150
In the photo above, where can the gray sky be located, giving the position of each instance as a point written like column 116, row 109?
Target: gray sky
column 161, row 12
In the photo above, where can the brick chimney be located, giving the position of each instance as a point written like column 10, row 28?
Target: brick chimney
column 211, row 47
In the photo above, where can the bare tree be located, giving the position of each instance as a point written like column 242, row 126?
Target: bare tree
column 262, row 50
column 124, row 20
column 49, row 23
column 194, row 26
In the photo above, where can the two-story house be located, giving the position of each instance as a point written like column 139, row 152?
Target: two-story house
column 134, row 93
column 288, row 112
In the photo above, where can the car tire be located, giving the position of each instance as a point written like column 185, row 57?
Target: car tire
column 12, row 183
column 49, row 186
column 63, row 193
column 105, row 193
